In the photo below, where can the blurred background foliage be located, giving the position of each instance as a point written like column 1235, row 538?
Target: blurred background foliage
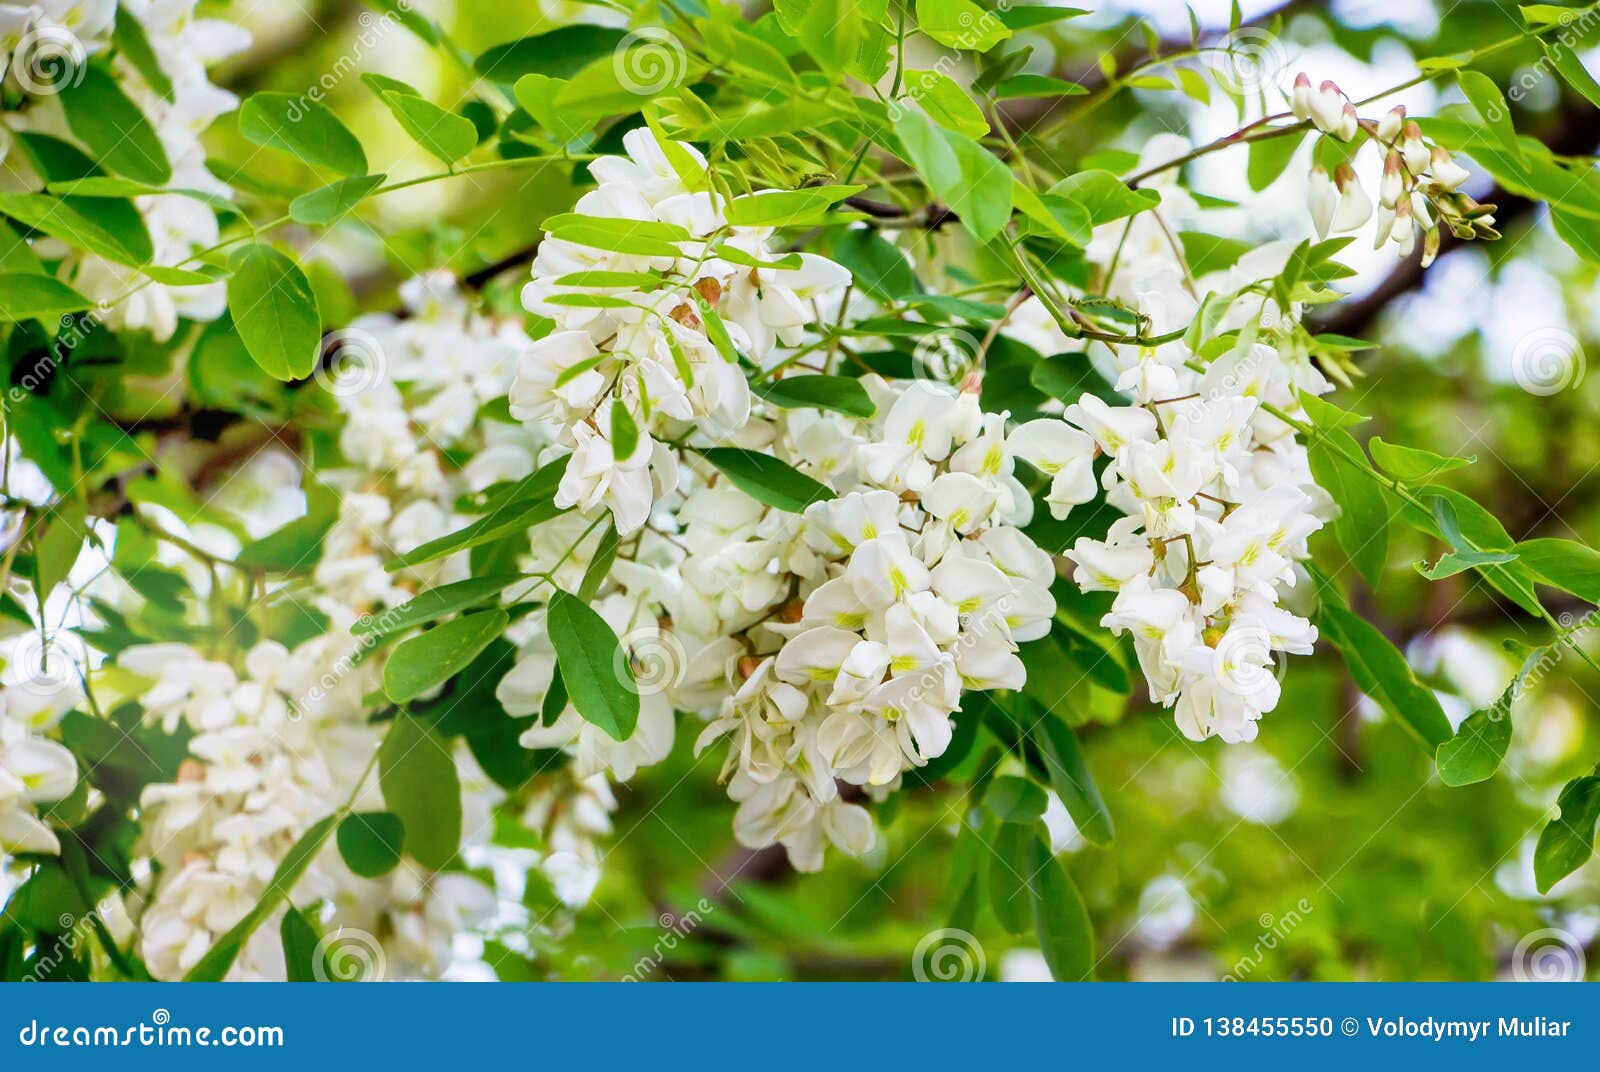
column 1326, row 850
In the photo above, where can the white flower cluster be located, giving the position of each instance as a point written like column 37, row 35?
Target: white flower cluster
column 634, row 353
column 282, row 741
column 45, row 43
column 411, row 389
column 911, row 588
column 34, row 770
column 1420, row 190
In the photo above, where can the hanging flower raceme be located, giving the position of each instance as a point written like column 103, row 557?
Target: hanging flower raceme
column 1419, row 193
column 654, row 297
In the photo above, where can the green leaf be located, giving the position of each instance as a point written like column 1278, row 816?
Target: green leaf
column 428, row 660
column 57, row 550
column 561, row 53
column 972, row 181
column 300, row 947
column 108, row 231
column 220, row 957
column 297, row 544
column 334, row 201
column 37, row 297
column 1480, row 742
column 878, row 267
column 945, row 102
column 1026, row 16
column 1269, row 157
column 1382, row 673
column 1362, row 526
column 1567, row 841
column 767, row 479
column 624, row 432
column 1491, row 106
column 961, row 24
column 444, row 134
column 594, row 668
column 433, row 604
column 787, row 208
column 275, row 311
column 1567, row 64
column 647, row 238
column 371, row 842
column 1037, row 85
column 1010, row 862
column 511, row 519
column 842, row 394
column 600, row 563
column 131, row 42
column 16, row 256
column 1070, row 778
column 421, row 788
column 1015, row 800
column 1411, row 464
column 112, row 127
column 1061, row 922
column 1565, row 564
column 1104, row 196
column 1052, row 214
column 829, row 30
column 302, row 128
column 1454, row 562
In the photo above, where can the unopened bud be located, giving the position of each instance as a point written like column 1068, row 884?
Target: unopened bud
column 1300, row 101
column 1445, row 171
column 1412, row 148
column 1391, row 123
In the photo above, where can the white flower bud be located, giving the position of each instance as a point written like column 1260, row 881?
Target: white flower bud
column 1445, row 171
column 1393, row 184
column 1430, row 246
column 1327, row 108
column 1349, row 124
column 1355, row 207
column 1300, row 102
column 1413, row 150
column 1323, row 200
column 1390, row 125
column 1385, row 226
column 1405, row 231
